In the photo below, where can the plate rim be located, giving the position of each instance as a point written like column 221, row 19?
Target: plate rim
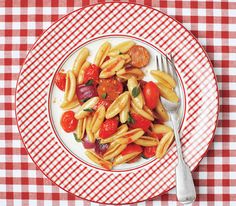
column 124, row 3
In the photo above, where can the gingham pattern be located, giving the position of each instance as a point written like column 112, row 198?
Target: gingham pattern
column 216, row 173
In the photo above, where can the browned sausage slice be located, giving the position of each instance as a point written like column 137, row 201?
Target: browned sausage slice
column 139, row 56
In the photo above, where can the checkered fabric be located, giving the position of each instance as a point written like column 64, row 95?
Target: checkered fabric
column 214, row 25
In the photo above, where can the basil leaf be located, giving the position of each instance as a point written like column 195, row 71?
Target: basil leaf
column 84, row 100
column 89, row 82
column 76, row 138
column 104, row 95
column 130, row 119
column 135, row 91
column 89, row 110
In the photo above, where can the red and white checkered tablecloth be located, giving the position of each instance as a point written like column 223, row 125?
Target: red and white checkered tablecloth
column 22, row 22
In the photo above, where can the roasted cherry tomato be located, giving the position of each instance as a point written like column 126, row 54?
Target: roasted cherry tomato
column 132, row 148
column 92, row 72
column 60, row 80
column 151, row 94
column 68, row 121
column 109, row 89
column 149, row 151
column 108, row 128
column 104, row 102
column 139, row 122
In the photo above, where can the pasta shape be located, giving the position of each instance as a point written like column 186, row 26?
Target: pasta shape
column 102, row 53
column 80, row 78
column 162, row 112
column 71, row 81
column 139, row 100
column 120, row 132
column 82, row 112
column 111, row 69
column 123, row 47
column 89, row 132
column 98, row 160
column 79, row 61
column 80, row 129
column 124, row 114
column 128, row 73
column 161, row 128
column 114, row 150
column 147, row 141
column 164, row 76
column 98, row 118
column 164, row 144
column 168, row 93
column 141, row 112
column 130, row 136
column 70, row 105
column 126, row 57
column 120, row 159
column 118, row 105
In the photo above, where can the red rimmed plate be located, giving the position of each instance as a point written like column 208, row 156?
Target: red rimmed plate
column 56, row 47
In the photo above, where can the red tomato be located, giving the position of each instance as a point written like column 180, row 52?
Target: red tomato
column 92, row 72
column 111, row 87
column 132, row 148
column 149, row 151
column 68, row 121
column 151, row 94
column 104, row 102
column 60, row 80
column 153, row 134
column 140, row 122
column 108, row 128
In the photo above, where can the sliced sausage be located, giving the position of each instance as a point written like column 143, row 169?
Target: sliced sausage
column 139, row 56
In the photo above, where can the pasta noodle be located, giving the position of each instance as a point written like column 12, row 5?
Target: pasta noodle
column 80, row 129
column 82, row 112
column 122, row 47
column 124, row 114
column 80, row 78
column 162, row 112
column 164, row 76
column 98, row 160
column 168, row 93
column 138, row 100
column 161, row 128
column 98, row 118
column 130, row 136
column 164, row 144
column 102, row 53
column 79, row 61
column 141, row 112
column 146, row 141
column 128, row 73
column 114, row 150
column 117, row 106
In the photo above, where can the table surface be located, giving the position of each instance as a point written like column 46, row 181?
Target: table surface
column 212, row 22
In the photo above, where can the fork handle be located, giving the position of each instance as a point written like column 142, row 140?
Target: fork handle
column 174, row 120
column 185, row 188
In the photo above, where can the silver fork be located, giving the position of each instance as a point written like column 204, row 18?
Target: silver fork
column 185, row 189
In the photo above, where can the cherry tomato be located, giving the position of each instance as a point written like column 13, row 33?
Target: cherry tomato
column 60, row 80
column 68, row 121
column 111, row 88
column 108, row 128
column 104, row 102
column 149, row 151
column 132, row 148
column 92, row 72
column 139, row 122
column 151, row 94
